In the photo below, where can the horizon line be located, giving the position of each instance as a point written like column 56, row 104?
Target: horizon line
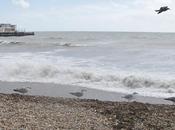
column 107, row 31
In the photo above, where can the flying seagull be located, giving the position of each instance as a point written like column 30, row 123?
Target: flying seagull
column 79, row 94
column 162, row 9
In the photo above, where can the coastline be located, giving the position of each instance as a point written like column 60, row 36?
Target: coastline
column 51, row 106
column 58, row 90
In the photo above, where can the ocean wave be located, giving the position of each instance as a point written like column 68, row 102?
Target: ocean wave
column 55, row 38
column 9, row 43
column 29, row 68
column 68, row 44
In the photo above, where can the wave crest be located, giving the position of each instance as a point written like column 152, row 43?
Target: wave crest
column 69, row 44
column 65, row 71
column 53, row 73
column 10, row 43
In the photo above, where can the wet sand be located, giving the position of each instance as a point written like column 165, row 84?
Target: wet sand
column 51, row 106
column 55, row 90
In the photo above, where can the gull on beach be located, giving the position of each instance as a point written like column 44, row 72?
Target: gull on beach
column 79, row 94
column 22, row 90
column 130, row 97
column 172, row 99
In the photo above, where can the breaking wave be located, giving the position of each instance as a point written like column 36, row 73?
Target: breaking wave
column 64, row 44
column 68, row 44
column 9, row 43
column 29, row 68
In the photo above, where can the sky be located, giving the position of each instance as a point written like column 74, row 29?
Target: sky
column 89, row 15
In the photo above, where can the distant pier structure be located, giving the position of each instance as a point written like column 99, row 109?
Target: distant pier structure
column 7, row 30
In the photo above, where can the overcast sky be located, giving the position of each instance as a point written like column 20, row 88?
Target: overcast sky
column 89, row 15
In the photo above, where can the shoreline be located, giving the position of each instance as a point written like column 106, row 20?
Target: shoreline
column 51, row 106
column 56, row 90
column 40, row 112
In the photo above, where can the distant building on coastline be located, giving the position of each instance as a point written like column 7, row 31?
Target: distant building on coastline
column 7, row 30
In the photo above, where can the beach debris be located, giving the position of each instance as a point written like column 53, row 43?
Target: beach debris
column 78, row 94
column 22, row 90
column 162, row 9
column 130, row 97
column 172, row 99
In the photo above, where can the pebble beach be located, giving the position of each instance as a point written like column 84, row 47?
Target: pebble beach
column 39, row 112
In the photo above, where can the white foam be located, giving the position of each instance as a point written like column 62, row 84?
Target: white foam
column 9, row 42
column 69, row 44
column 41, row 67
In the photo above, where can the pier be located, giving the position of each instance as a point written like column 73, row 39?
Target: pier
column 8, row 30
column 9, row 34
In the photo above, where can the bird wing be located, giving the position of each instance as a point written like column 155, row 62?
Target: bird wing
column 162, row 8
column 159, row 12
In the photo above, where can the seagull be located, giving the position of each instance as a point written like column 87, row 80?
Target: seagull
column 79, row 94
column 22, row 90
column 130, row 97
column 162, row 9
column 172, row 99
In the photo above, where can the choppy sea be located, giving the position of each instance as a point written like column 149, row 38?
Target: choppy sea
column 109, row 61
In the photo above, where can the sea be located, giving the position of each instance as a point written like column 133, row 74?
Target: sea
column 123, row 62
